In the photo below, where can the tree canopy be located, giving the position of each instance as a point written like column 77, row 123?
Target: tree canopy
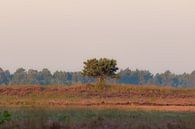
column 95, row 69
column 100, row 69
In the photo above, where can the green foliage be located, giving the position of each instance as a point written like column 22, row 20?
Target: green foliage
column 60, row 77
column 92, row 118
column 3, row 78
column 138, row 77
column 32, row 77
column 4, row 117
column 45, row 77
column 20, row 76
column 100, row 69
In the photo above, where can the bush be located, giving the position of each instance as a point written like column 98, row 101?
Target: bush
column 4, row 117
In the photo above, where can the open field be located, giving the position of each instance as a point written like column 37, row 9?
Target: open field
column 85, row 107
column 123, row 97
column 87, row 118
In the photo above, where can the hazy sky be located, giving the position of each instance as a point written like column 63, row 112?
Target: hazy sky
column 156, row 35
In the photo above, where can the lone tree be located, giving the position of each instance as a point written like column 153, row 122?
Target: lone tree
column 100, row 69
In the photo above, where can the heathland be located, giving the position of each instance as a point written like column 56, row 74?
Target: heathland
column 147, row 97
column 88, row 107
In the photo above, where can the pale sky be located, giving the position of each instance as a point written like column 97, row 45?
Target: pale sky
column 155, row 35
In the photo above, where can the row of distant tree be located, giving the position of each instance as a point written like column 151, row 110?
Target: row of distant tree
column 43, row 77
column 143, row 77
column 127, row 76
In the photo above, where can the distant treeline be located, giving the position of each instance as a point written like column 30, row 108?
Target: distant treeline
column 127, row 76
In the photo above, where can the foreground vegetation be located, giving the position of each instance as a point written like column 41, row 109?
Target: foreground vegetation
column 87, row 118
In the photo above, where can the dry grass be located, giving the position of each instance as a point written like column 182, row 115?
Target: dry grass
column 84, row 107
column 140, row 97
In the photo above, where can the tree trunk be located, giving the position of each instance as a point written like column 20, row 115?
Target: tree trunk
column 100, row 82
